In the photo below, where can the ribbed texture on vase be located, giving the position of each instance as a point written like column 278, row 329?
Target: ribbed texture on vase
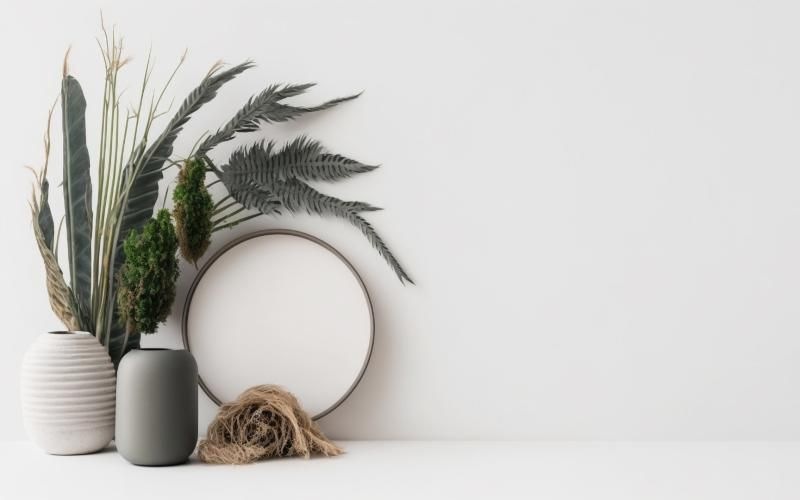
column 68, row 393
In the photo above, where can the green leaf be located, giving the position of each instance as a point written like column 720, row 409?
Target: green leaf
column 44, row 216
column 266, row 108
column 77, row 193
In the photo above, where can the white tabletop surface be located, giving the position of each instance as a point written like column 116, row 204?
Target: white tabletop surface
column 380, row 470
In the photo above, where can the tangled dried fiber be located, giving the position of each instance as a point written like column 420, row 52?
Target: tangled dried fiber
column 265, row 421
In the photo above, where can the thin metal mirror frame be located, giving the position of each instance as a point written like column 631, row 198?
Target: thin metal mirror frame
column 284, row 232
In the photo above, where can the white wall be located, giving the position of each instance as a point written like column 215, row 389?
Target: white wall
column 600, row 201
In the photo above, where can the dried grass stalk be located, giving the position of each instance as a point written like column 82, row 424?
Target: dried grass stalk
column 265, row 421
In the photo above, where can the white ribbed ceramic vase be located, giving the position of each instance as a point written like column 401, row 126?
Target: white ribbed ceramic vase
column 68, row 393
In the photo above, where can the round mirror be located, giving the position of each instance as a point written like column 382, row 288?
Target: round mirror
column 279, row 307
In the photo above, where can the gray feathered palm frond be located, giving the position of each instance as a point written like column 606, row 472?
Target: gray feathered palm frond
column 254, row 196
column 296, row 195
column 265, row 179
column 263, row 108
column 301, row 158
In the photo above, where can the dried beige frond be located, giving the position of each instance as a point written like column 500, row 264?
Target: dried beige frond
column 60, row 295
column 214, row 67
column 65, row 67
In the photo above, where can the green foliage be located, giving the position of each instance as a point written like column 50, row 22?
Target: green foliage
column 77, row 196
column 193, row 208
column 146, row 287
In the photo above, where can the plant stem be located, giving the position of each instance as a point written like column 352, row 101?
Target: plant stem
column 234, row 223
column 219, row 210
column 213, row 167
column 224, row 218
column 220, row 202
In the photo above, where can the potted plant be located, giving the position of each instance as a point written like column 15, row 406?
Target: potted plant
column 156, row 417
column 113, row 291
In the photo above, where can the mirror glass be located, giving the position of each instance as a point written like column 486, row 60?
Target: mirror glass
column 279, row 307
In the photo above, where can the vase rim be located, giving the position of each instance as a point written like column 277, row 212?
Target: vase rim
column 68, row 332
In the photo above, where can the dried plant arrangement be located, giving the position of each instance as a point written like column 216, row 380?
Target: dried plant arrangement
column 112, row 290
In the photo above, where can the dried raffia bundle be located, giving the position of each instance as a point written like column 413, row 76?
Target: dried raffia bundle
column 265, row 421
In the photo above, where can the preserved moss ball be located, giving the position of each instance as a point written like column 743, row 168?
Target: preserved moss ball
column 193, row 209
column 147, row 279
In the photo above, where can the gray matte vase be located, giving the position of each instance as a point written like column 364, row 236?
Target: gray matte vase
column 156, row 406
